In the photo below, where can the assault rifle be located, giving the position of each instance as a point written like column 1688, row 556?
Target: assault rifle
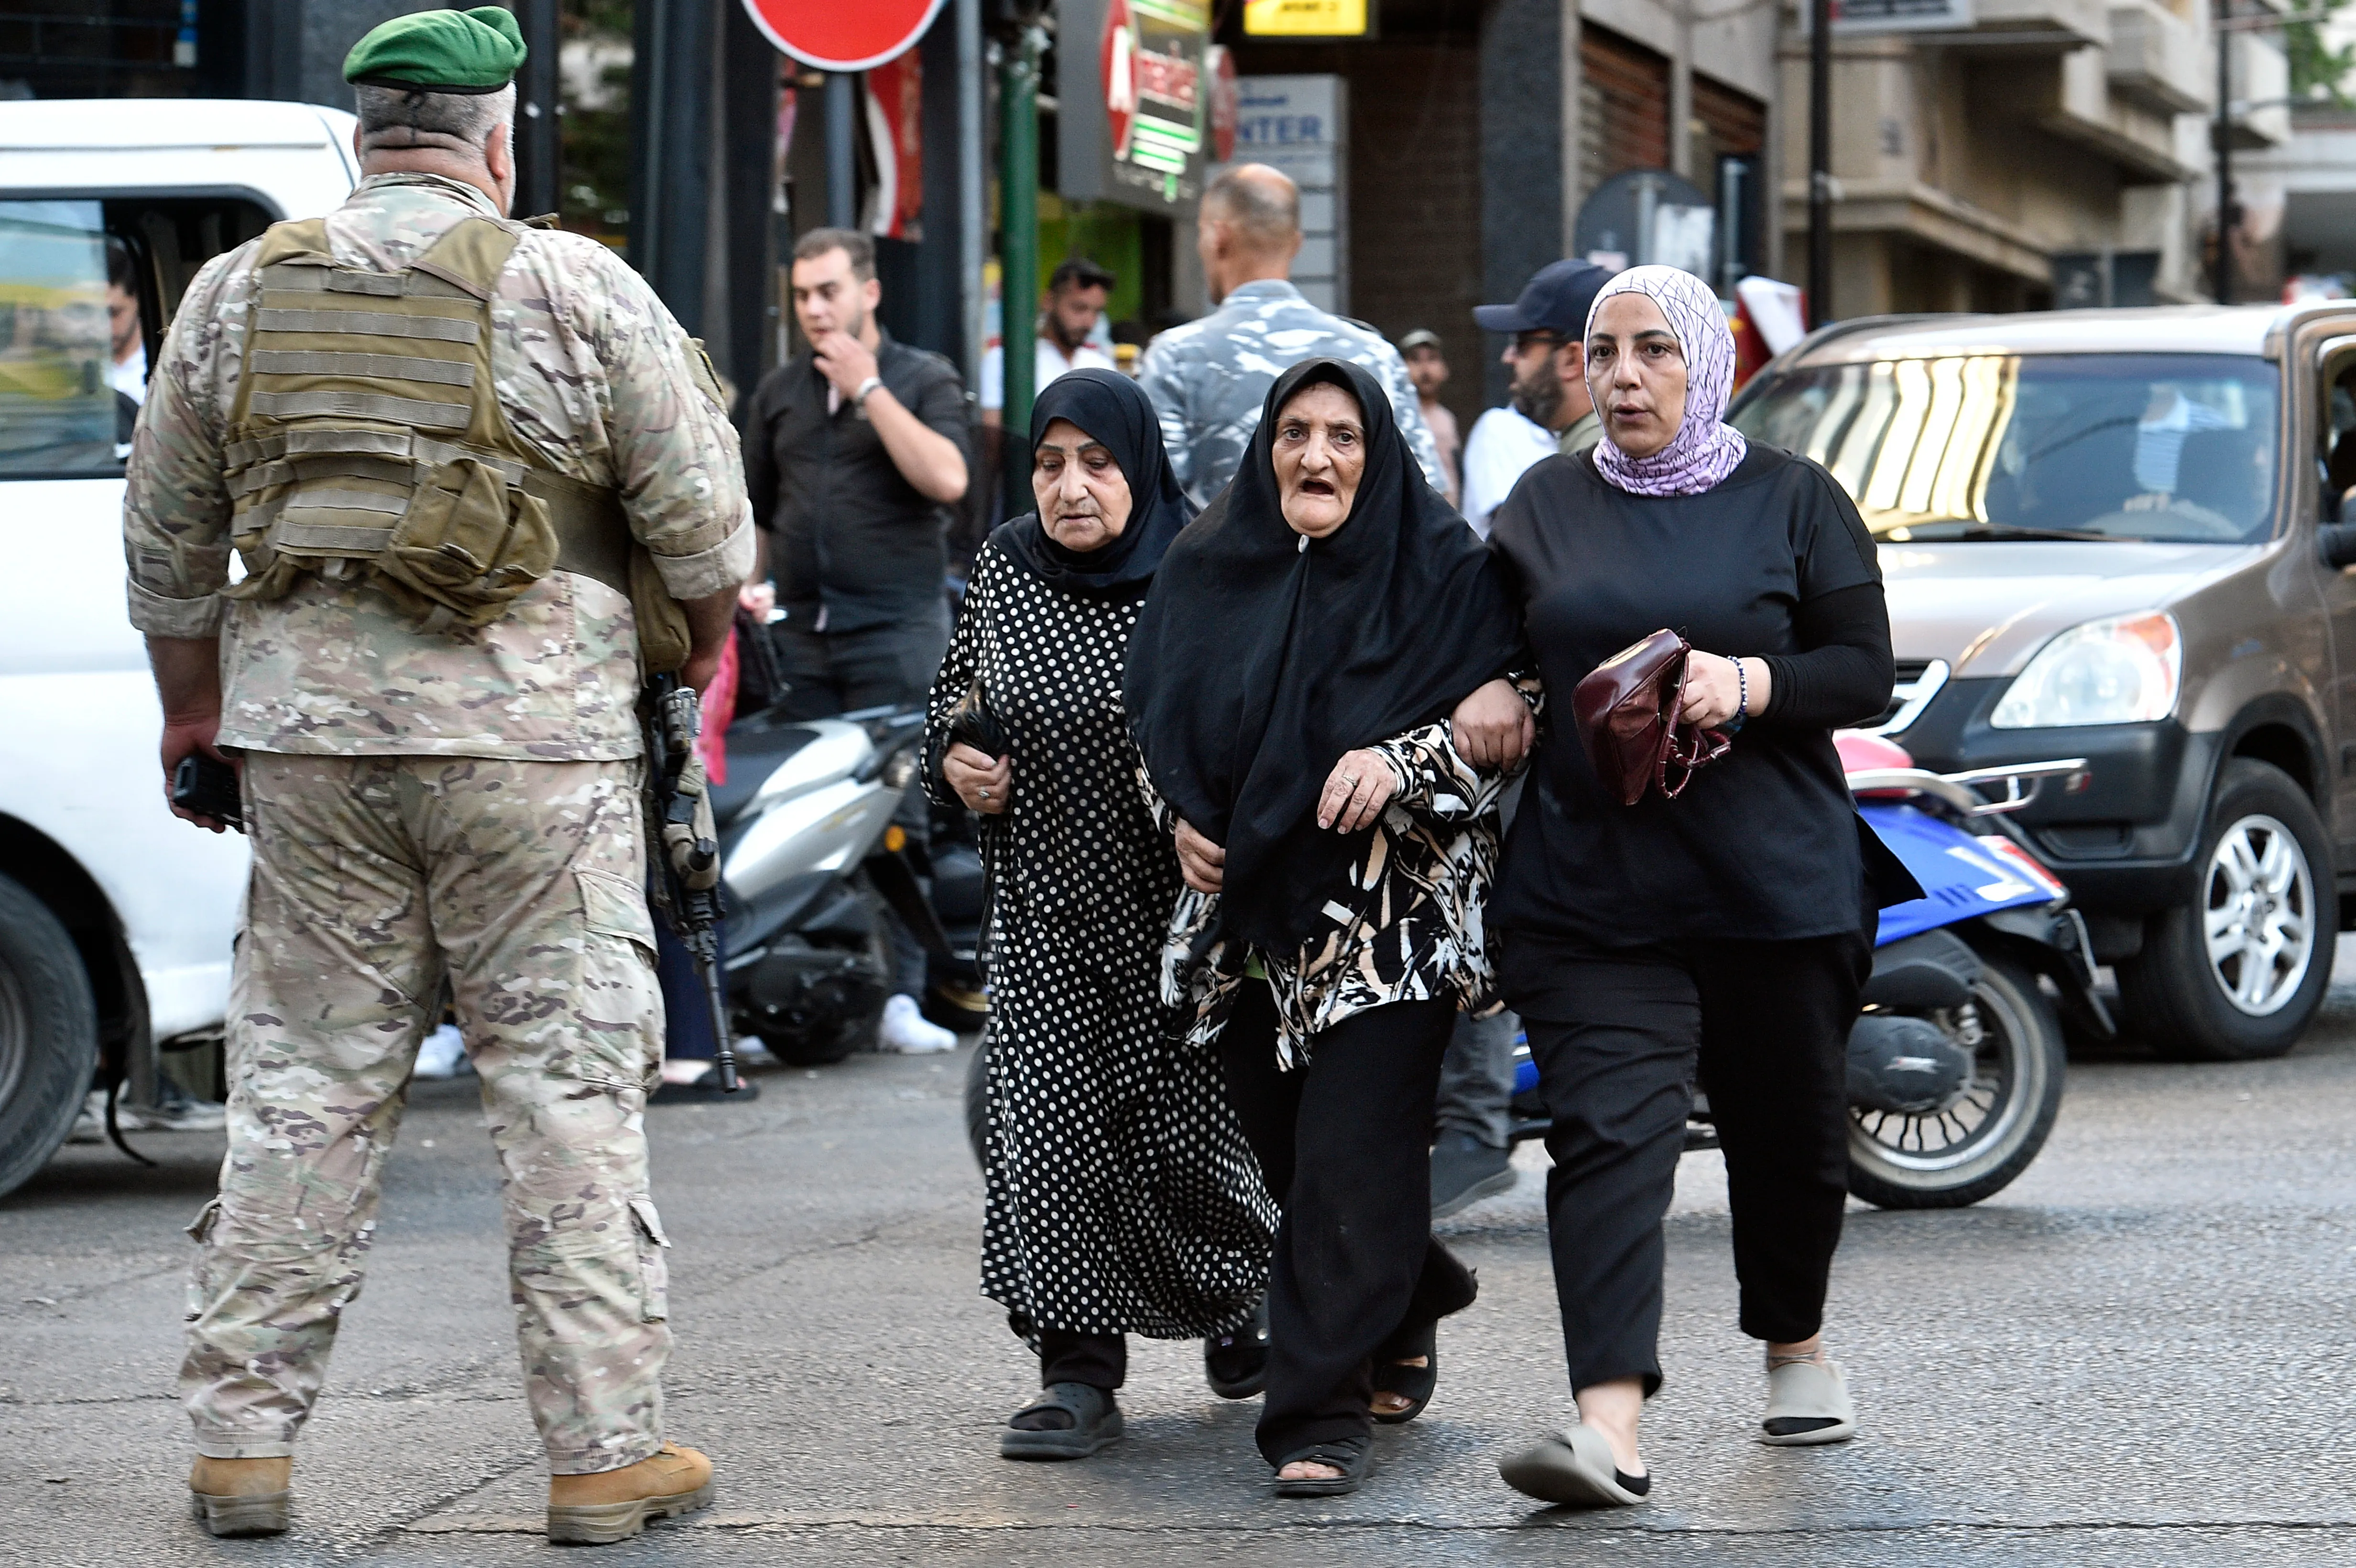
column 685, row 847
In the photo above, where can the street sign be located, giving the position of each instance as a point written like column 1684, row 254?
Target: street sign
column 835, row 36
column 1305, row 18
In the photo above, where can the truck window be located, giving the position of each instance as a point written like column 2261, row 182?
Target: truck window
column 58, row 412
column 2170, row 447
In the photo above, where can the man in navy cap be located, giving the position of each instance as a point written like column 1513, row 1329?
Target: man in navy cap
column 1550, row 409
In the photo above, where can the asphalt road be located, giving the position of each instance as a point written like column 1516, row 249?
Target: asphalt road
column 2138, row 1355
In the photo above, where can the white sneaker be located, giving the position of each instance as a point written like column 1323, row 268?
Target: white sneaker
column 443, row 1054
column 909, row 1032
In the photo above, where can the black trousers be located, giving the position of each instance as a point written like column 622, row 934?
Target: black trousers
column 843, row 672
column 829, row 673
column 1099, row 1359
column 1345, row 1144
column 1617, row 1034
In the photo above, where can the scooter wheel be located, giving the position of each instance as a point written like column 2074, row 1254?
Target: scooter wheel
column 1973, row 1148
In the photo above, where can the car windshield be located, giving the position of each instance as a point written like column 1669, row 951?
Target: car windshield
column 59, row 416
column 2177, row 448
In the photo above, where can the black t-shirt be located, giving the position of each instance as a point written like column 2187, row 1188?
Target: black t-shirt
column 1762, row 845
column 849, row 533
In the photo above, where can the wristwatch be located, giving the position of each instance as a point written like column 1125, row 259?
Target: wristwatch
column 858, row 396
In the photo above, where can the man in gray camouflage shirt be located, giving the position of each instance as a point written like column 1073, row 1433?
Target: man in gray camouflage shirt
column 1208, row 378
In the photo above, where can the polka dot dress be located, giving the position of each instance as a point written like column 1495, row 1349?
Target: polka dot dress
column 1121, row 1196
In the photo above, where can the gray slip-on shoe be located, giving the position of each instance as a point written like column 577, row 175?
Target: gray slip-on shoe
column 1807, row 1403
column 1096, row 1424
column 1574, row 1468
column 1464, row 1170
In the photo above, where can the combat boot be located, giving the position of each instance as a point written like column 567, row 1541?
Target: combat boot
column 614, row 1505
column 241, row 1497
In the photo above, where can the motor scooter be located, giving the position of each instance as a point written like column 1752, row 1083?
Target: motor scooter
column 810, row 858
column 1957, row 1063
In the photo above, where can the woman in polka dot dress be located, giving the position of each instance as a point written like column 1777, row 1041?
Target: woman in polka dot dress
column 1121, row 1196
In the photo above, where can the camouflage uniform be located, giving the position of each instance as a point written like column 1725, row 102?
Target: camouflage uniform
column 460, row 804
column 1209, row 377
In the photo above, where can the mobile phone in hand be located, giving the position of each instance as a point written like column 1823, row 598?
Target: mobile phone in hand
column 207, row 787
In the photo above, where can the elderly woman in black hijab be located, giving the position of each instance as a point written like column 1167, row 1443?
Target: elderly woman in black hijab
column 1121, row 1197
column 1291, row 684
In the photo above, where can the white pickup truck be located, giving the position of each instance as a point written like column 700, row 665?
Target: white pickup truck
column 116, row 917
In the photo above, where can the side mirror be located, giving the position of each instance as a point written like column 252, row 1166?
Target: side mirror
column 2335, row 542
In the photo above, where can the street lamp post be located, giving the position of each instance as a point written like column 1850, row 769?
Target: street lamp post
column 1018, row 218
column 2222, row 136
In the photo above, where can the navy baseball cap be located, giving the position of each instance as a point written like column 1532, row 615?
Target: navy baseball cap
column 1557, row 300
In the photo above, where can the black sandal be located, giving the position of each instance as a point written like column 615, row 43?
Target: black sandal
column 1236, row 1365
column 1096, row 1424
column 1416, row 1384
column 1353, row 1456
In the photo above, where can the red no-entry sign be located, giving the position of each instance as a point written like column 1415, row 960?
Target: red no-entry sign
column 842, row 34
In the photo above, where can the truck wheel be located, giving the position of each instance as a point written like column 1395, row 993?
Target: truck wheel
column 48, row 1034
column 1973, row 1148
column 2236, row 974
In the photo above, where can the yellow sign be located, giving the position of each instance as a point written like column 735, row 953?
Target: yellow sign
column 1305, row 18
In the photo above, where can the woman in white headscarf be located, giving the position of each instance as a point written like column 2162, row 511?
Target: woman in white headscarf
column 1726, row 931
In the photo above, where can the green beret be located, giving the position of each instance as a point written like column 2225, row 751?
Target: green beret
column 472, row 51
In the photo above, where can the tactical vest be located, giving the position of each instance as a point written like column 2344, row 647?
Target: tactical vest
column 367, row 437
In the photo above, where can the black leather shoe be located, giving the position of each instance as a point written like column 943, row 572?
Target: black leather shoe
column 1464, row 1170
column 1236, row 1365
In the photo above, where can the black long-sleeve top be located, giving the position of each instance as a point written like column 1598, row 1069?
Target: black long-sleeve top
column 1775, row 564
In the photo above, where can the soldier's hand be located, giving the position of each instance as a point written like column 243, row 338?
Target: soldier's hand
column 844, row 361
column 185, row 737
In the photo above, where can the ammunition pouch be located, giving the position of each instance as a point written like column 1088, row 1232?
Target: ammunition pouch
column 367, row 440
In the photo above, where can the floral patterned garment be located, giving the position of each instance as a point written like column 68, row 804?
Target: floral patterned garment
column 1418, row 936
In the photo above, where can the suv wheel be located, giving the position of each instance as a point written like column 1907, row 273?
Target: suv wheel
column 2235, row 974
column 48, row 1034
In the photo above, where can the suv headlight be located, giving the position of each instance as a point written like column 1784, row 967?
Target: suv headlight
column 2122, row 671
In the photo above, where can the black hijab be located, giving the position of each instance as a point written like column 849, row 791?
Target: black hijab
column 1113, row 410
column 1257, row 662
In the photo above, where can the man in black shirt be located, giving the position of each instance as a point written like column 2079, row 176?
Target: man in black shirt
column 853, row 454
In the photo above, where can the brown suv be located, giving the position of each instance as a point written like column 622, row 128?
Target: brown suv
column 2116, row 535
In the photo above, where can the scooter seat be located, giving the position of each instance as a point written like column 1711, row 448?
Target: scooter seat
column 757, row 747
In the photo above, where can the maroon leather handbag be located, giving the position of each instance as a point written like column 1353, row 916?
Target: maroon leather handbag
column 1627, row 709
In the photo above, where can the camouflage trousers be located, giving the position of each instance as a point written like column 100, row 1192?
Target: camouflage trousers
column 375, row 879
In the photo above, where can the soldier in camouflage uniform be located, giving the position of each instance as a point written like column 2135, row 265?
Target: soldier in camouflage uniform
column 1208, row 378
column 437, row 788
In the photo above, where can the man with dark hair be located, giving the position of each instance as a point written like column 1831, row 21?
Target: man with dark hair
column 440, row 765
column 1077, row 292
column 1208, row 378
column 854, row 452
column 126, row 368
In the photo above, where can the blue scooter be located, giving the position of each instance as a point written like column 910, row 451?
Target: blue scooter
column 1956, row 1066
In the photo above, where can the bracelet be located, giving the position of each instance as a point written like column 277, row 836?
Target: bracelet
column 1741, row 697
column 859, row 398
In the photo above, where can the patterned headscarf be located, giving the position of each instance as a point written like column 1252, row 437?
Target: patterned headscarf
column 1704, row 450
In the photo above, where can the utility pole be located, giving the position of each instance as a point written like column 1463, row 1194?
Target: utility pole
column 2222, row 136
column 1820, row 163
column 842, row 162
column 540, row 149
column 1018, row 217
